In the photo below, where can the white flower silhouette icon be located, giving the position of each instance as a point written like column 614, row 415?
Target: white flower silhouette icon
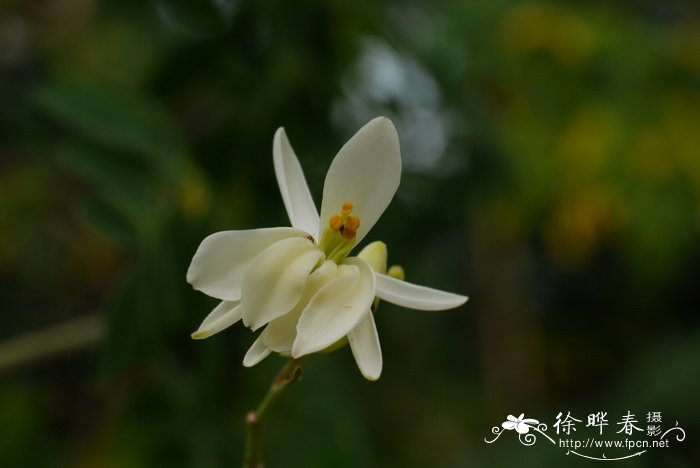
column 521, row 426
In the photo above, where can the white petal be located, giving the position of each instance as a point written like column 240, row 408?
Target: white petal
column 364, row 342
column 522, row 428
column 281, row 332
column 223, row 316
column 414, row 296
column 256, row 353
column 336, row 309
column 222, row 259
column 297, row 199
column 366, row 173
column 509, row 425
column 274, row 284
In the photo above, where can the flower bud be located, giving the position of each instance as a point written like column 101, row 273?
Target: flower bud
column 396, row 271
column 375, row 254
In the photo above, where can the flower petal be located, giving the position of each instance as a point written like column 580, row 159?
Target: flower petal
column 364, row 342
column 366, row 173
column 297, row 199
column 223, row 316
column 256, row 353
column 274, row 284
column 414, row 296
column 336, row 309
column 280, row 333
column 521, row 428
column 223, row 258
column 509, row 425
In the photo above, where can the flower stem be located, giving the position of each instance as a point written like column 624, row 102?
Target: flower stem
column 290, row 373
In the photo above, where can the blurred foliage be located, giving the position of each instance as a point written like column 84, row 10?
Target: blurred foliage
column 552, row 173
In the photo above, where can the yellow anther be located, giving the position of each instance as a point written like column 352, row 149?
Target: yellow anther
column 343, row 223
column 336, row 222
column 353, row 222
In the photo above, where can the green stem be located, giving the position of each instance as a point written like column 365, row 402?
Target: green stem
column 290, row 373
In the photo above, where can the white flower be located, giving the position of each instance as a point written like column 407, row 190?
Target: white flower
column 299, row 281
column 521, row 426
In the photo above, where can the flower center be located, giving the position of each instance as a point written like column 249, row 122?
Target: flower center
column 345, row 224
column 338, row 239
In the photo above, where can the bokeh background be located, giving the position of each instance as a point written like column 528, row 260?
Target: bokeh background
column 551, row 172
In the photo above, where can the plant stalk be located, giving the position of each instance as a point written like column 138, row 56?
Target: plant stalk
column 289, row 374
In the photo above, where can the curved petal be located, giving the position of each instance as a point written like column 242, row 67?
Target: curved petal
column 223, row 316
column 223, row 258
column 297, row 199
column 509, row 425
column 275, row 282
column 257, row 352
column 280, row 333
column 521, row 428
column 336, row 309
column 366, row 173
column 364, row 343
column 414, row 296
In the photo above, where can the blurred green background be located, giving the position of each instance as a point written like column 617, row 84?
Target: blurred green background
column 551, row 172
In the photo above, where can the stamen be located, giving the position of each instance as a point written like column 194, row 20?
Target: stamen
column 343, row 223
column 339, row 237
column 348, row 232
column 353, row 222
column 336, row 222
